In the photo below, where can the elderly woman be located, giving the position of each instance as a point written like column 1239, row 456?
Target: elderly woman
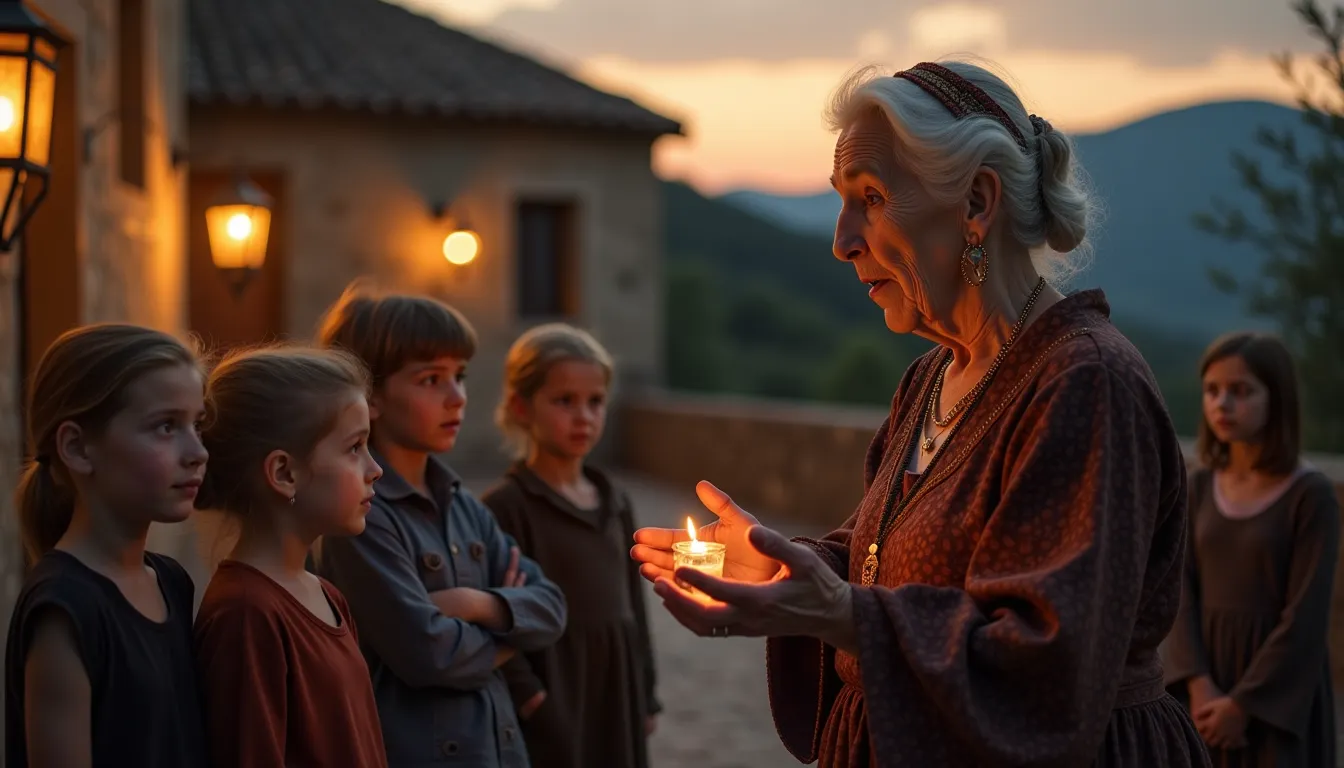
column 999, row 595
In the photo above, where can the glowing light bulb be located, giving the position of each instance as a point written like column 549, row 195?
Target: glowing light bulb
column 461, row 247
column 239, row 226
column 7, row 113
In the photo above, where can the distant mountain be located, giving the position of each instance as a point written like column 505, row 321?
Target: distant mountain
column 1151, row 176
column 753, row 248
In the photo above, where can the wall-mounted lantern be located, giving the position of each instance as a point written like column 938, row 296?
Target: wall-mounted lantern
column 239, row 225
column 27, row 100
column 462, row 244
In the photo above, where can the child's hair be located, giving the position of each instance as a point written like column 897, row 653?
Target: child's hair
column 83, row 378
column 530, row 359
column 387, row 331
column 266, row 398
column 1270, row 362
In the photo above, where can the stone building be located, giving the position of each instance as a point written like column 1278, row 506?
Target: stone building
column 376, row 132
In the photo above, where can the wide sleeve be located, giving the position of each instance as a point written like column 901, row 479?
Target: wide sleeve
column 505, row 503
column 648, row 666
column 799, row 701
column 397, row 619
column 538, row 610
column 1279, row 685
column 240, row 657
column 1024, row 660
column 1184, row 656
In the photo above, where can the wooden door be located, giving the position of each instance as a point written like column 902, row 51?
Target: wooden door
column 223, row 317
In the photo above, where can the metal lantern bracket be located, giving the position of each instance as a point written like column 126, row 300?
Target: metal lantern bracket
column 93, row 131
column 442, row 210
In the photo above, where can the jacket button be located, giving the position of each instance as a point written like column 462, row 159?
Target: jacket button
column 448, row 748
column 508, row 734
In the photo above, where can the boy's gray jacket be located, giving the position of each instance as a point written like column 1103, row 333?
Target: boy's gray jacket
column 440, row 698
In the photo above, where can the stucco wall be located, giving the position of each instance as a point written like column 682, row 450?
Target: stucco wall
column 359, row 190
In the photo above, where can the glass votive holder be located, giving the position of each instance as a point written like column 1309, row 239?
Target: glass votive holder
column 704, row 556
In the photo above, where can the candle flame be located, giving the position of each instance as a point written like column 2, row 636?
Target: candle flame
column 697, row 546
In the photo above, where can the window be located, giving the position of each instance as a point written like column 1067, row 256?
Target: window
column 131, row 90
column 548, row 268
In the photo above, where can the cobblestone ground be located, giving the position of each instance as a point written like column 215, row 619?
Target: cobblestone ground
column 716, row 714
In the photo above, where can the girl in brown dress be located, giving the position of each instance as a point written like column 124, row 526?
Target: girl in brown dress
column 1249, row 649
column 589, row 699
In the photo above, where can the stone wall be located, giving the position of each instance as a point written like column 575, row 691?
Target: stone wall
column 802, row 462
column 128, row 239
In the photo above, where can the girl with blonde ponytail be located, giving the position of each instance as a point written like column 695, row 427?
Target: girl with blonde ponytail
column 99, row 668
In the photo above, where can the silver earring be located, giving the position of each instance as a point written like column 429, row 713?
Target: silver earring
column 292, row 499
column 974, row 264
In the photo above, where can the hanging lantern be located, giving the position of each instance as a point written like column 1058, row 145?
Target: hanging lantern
column 27, row 100
column 239, row 224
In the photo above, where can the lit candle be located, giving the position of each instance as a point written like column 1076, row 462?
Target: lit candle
column 706, row 556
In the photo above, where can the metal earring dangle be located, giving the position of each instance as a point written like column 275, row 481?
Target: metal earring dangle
column 974, row 263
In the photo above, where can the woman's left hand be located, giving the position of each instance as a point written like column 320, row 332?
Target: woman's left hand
column 806, row 598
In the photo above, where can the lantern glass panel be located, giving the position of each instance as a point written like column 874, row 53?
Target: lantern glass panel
column 13, row 42
column 238, row 235
column 13, row 74
column 41, row 98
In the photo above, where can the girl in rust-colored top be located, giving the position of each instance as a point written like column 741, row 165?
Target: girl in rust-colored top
column 282, row 675
column 999, row 595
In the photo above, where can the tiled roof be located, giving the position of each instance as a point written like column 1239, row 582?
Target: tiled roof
column 370, row 55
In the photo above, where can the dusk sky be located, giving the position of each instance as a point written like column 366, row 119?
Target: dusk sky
column 749, row 78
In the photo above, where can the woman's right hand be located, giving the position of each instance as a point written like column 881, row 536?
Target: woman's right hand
column 742, row 562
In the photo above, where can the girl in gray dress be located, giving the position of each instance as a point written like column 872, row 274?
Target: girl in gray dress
column 1249, row 648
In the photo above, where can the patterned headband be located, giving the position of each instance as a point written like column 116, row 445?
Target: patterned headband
column 963, row 98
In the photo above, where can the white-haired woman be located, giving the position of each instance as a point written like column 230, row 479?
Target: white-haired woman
column 999, row 595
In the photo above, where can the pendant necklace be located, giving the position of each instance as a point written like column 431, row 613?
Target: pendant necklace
column 868, row 574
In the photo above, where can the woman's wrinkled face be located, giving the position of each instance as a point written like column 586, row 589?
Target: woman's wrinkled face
column 901, row 243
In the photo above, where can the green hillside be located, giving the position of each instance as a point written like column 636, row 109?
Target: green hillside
column 754, row 308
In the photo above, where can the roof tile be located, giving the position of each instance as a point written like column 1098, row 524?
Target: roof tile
column 371, row 55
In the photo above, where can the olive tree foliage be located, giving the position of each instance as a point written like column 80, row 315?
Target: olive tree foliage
column 1299, row 227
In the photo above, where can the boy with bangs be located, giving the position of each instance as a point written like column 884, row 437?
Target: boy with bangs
column 441, row 595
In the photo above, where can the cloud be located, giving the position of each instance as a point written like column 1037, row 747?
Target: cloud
column 760, row 125
column 1184, row 32
column 472, row 12
column 958, row 26
column 1167, row 32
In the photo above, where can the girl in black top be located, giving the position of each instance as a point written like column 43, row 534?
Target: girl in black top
column 98, row 668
